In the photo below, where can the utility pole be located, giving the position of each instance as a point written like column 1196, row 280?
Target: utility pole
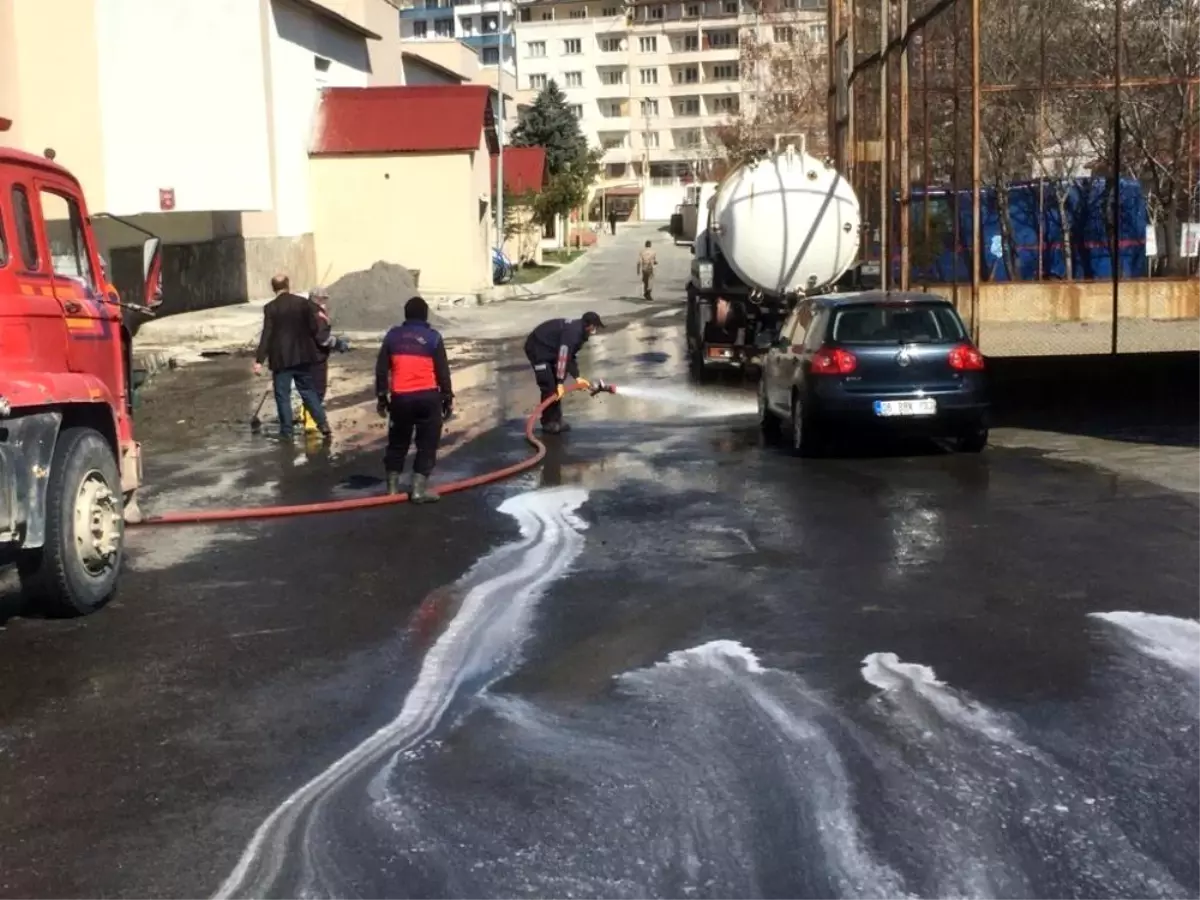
column 500, row 125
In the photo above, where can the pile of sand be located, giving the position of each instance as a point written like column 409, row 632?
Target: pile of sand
column 372, row 299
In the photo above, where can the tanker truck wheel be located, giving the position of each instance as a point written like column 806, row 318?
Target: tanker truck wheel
column 75, row 571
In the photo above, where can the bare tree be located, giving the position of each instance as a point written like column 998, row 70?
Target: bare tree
column 783, row 71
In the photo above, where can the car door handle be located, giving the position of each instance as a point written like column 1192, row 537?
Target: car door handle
column 72, row 307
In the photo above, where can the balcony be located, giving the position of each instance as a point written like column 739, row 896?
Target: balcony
column 481, row 41
column 605, row 124
column 427, row 12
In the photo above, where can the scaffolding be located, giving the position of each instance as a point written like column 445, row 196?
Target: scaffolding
column 981, row 134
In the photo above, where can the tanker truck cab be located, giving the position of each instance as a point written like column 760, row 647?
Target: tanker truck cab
column 69, row 464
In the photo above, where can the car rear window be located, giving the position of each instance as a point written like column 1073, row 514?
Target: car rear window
column 908, row 323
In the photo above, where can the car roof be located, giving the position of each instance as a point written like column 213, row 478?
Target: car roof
column 873, row 298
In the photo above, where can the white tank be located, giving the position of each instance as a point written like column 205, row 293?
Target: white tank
column 786, row 224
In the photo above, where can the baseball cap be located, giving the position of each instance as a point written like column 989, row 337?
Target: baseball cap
column 590, row 318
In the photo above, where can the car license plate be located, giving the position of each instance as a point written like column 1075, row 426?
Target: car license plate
column 926, row 406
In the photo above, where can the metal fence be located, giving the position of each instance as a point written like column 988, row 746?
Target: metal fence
column 1035, row 160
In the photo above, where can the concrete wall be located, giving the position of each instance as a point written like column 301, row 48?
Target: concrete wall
column 418, row 210
column 386, row 65
column 182, row 104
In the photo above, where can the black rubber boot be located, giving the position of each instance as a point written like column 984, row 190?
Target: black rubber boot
column 420, row 492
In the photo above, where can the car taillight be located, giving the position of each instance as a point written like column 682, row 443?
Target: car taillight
column 833, row 361
column 965, row 358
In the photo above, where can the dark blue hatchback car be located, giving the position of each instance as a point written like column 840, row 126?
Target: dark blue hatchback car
column 899, row 361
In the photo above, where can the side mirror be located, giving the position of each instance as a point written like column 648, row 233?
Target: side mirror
column 152, row 273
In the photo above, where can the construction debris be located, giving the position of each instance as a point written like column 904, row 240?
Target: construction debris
column 372, row 299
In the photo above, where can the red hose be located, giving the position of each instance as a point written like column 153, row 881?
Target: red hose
column 202, row 516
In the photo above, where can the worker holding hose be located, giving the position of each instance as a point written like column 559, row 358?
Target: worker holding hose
column 551, row 349
column 412, row 384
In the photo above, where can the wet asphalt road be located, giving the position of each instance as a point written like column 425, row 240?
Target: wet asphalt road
column 671, row 662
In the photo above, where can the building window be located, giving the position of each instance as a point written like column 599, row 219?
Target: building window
column 782, row 68
column 466, row 24
column 692, row 11
column 573, row 79
column 320, row 63
column 572, row 46
column 537, row 82
column 650, row 140
column 790, row 4
column 783, row 100
column 491, row 23
column 610, row 11
column 649, row 108
column 649, row 76
column 526, row 14
column 615, row 170
column 687, row 75
column 610, row 45
column 648, row 44
column 722, row 39
column 731, row 7
column 491, row 56
column 612, row 141
column 612, row 76
column 26, row 236
column 688, row 107
column 691, row 43
column 443, row 28
column 69, row 254
column 577, row 14
column 818, row 33
column 688, row 138
column 535, row 49
column 784, row 34
column 656, row 12
column 723, row 104
column 576, row 110
column 613, row 109
column 725, row 72
column 420, row 29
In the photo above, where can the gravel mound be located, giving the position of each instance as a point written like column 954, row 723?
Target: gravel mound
column 372, row 299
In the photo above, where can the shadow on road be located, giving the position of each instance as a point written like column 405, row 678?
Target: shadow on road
column 1151, row 398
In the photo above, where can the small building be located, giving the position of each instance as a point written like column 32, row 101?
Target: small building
column 524, row 177
column 401, row 175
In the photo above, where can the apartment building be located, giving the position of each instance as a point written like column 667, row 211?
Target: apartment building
column 651, row 82
column 486, row 27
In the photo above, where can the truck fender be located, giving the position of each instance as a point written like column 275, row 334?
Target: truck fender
column 26, row 450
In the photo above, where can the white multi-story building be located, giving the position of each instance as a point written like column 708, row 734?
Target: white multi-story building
column 651, row 82
column 486, row 27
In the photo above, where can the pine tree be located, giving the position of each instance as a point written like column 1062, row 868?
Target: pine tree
column 550, row 123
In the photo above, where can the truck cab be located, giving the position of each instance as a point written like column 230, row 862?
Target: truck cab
column 69, row 463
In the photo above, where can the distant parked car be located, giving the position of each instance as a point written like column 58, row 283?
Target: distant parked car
column 901, row 362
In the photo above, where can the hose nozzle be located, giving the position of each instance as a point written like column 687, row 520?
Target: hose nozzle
column 601, row 386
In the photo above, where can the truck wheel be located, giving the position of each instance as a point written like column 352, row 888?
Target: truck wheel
column 75, row 571
column 767, row 420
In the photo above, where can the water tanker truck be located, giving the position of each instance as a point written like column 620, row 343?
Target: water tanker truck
column 780, row 227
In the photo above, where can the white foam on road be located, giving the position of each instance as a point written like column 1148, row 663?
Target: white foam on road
column 482, row 639
column 1169, row 639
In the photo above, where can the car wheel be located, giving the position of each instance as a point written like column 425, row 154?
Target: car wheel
column 973, row 440
column 806, row 440
column 767, row 420
column 75, row 571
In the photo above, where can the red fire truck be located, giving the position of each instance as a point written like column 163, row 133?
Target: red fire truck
column 69, row 464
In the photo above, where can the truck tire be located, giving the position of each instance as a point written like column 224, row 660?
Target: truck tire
column 75, row 571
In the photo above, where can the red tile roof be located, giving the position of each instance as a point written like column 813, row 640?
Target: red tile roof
column 421, row 119
column 524, row 169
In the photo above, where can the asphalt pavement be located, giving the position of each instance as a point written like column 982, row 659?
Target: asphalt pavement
column 670, row 662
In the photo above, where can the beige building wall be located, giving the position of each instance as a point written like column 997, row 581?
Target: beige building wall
column 418, row 210
column 53, row 62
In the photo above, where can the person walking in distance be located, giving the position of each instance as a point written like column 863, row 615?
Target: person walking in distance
column 646, row 264
column 551, row 349
column 288, row 346
column 612, row 221
column 412, row 384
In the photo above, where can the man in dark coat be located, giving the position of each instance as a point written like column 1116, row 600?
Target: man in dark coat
column 551, row 349
column 288, row 345
column 412, row 385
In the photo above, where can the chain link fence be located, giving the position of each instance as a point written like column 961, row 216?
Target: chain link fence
column 1037, row 162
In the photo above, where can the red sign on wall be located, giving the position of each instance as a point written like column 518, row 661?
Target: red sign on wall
column 166, row 199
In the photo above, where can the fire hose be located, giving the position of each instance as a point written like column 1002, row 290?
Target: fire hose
column 245, row 514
